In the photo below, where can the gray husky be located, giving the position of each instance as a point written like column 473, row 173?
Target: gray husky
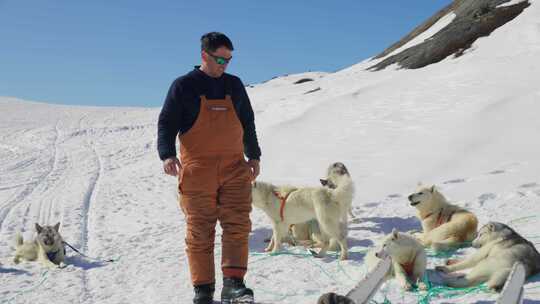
column 499, row 247
column 47, row 248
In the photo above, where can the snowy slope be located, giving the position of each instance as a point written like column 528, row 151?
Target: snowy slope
column 468, row 125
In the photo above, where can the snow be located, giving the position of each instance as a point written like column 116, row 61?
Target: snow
column 467, row 124
column 511, row 2
column 434, row 29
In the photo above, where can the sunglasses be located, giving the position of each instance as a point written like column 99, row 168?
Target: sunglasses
column 220, row 60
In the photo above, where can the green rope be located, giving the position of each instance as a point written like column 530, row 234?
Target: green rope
column 520, row 219
column 309, row 256
column 323, row 270
column 341, row 269
column 31, row 289
column 281, row 296
column 306, row 255
column 424, row 297
column 385, row 301
column 531, row 279
column 450, row 292
column 445, row 291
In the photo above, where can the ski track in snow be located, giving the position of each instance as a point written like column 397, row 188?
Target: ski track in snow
column 8, row 207
column 88, row 199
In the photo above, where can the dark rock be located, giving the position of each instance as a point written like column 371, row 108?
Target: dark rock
column 474, row 19
column 303, row 80
column 311, row 91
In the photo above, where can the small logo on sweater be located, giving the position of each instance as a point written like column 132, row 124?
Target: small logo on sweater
column 218, row 108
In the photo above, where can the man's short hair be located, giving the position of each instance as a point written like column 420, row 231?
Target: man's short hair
column 212, row 41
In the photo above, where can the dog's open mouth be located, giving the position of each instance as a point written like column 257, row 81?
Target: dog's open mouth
column 413, row 203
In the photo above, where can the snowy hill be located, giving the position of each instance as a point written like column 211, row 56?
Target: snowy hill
column 467, row 124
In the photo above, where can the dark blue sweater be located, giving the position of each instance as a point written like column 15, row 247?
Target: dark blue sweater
column 182, row 106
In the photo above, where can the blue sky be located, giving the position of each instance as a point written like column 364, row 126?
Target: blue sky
column 126, row 53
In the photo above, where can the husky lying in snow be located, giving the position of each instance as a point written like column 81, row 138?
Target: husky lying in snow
column 47, row 247
column 408, row 264
column 287, row 205
column 499, row 248
column 408, row 259
column 444, row 225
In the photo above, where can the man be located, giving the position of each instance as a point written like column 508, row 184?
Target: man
column 211, row 113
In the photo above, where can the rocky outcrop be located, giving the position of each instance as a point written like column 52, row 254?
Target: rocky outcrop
column 303, row 80
column 474, row 19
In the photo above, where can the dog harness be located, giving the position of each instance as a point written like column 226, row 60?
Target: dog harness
column 282, row 201
column 52, row 255
column 409, row 268
column 440, row 219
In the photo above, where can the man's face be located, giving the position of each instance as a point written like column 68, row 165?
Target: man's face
column 217, row 61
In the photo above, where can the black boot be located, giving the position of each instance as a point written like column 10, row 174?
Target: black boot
column 204, row 294
column 234, row 291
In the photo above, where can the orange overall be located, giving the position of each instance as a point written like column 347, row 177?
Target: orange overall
column 215, row 184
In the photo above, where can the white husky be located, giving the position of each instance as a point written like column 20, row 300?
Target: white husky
column 338, row 174
column 444, row 225
column 499, row 248
column 310, row 233
column 408, row 259
column 287, row 205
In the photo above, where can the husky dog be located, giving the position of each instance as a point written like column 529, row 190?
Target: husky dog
column 47, row 247
column 287, row 205
column 310, row 233
column 337, row 174
column 444, row 225
column 499, row 247
column 408, row 259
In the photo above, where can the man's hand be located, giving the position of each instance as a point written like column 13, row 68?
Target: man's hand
column 172, row 166
column 255, row 168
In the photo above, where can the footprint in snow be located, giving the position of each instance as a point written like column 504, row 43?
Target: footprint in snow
column 356, row 220
column 455, row 181
column 370, row 205
column 529, row 185
column 497, row 172
column 485, row 197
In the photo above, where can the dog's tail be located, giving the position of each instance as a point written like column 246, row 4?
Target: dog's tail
column 18, row 240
